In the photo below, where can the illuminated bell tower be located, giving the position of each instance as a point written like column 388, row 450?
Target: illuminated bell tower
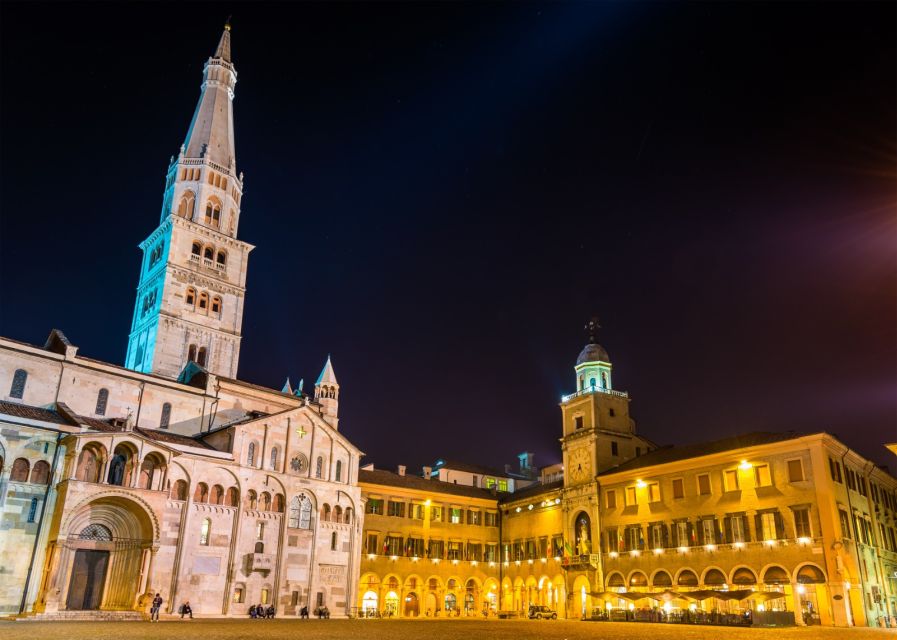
column 327, row 394
column 193, row 276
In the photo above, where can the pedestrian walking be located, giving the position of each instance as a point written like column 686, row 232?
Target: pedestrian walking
column 154, row 609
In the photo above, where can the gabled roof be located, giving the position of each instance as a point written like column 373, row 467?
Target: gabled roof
column 468, row 467
column 390, row 479
column 673, row 454
column 32, row 413
column 168, row 437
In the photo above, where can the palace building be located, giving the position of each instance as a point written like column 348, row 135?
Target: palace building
column 170, row 475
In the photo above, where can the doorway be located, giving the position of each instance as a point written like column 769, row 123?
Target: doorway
column 88, row 579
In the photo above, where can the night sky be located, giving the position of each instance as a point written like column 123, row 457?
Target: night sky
column 442, row 194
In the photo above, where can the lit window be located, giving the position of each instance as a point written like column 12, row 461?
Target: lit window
column 455, row 515
column 654, row 492
column 802, row 523
column 631, row 496
column 731, row 477
column 204, row 532
column 762, row 476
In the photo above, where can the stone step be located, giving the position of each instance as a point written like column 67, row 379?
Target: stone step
column 69, row 616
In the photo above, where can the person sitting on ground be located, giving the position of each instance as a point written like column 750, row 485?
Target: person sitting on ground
column 269, row 612
column 252, row 611
column 260, row 611
column 326, row 613
column 186, row 610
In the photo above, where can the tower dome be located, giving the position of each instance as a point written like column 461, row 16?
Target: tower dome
column 592, row 352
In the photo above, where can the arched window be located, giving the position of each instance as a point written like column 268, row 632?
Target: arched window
column 265, row 501
column 209, row 253
column 190, row 298
column 203, row 300
column 333, row 541
column 347, row 518
column 88, row 469
column 19, row 378
column 120, row 466
column 179, row 490
column 319, row 467
column 204, row 532
column 216, row 305
column 252, row 501
column 300, row 512
column 260, row 547
column 232, row 499
column 217, row 494
column 221, row 258
column 250, row 455
column 278, row 502
column 339, row 470
column 20, row 469
column 274, row 458
column 191, row 353
column 40, row 473
column 201, row 493
column 592, row 382
column 185, row 207
column 165, row 418
column 147, row 473
column 337, row 515
column 201, row 357
column 603, row 380
column 325, row 513
column 102, row 400
column 197, row 249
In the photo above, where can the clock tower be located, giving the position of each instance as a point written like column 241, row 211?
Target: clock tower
column 598, row 434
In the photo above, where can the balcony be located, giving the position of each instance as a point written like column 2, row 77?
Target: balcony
column 260, row 561
column 581, row 562
column 591, row 390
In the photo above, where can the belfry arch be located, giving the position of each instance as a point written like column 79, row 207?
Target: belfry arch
column 102, row 556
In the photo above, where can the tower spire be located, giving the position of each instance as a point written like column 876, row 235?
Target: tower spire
column 223, row 50
column 591, row 328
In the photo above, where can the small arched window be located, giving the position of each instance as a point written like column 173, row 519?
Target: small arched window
column 209, row 253
column 265, row 501
column 319, row 467
column 603, row 380
column 250, row 455
column 201, row 357
column 333, row 541
column 348, row 516
column 339, row 470
column 185, row 207
column 203, row 300
column 179, row 490
column 191, row 353
column 278, row 502
column 221, row 258
column 325, row 513
column 204, row 532
column 337, row 515
column 197, row 249
column 274, row 458
column 260, row 547
column 201, row 493
column 165, row 418
column 216, row 305
column 102, row 401
column 20, row 469
column 252, row 501
column 147, row 473
column 19, row 378
column 190, row 298
column 40, row 473
column 232, row 498
column 217, row 494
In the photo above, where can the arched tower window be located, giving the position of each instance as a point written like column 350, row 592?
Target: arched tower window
column 203, row 300
column 102, row 400
column 190, row 298
column 197, row 249
column 213, row 212
column 319, row 467
column 216, row 305
column 19, row 378
column 603, row 380
column 339, row 470
column 221, row 258
column 208, row 253
column 185, row 207
column 165, row 419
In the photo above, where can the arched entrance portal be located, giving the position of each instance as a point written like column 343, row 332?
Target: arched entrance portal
column 103, row 556
column 412, row 606
column 369, row 603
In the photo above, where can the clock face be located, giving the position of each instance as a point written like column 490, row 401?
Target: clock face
column 580, row 464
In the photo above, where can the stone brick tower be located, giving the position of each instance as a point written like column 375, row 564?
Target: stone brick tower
column 192, row 279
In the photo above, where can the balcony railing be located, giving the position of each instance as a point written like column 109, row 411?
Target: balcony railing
column 589, row 390
column 261, row 562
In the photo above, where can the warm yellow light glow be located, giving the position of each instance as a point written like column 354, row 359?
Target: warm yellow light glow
column 435, row 560
column 801, row 588
column 769, row 543
column 738, row 545
column 427, row 502
column 745, row 465
column 613, row 554
column 371, row 556
column 413, row 558
column 473, row 563
column 608, row 606
column 683, row 549
column 640, row 483
column 658, row 551
column 803, row 540
column 544, row 559
column 634, row 553
column 394, row 558
column 710, row 547
column 631, row 606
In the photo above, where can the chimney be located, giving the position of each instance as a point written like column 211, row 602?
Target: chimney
column 402, row 470
column 428, row 472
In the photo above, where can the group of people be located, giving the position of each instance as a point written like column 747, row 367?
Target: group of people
column 259, row 611
column 156, row 606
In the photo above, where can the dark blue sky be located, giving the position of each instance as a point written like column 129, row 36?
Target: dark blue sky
column 441, row 194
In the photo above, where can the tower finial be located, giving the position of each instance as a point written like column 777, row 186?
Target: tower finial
column 592, row 327
column 227, row 23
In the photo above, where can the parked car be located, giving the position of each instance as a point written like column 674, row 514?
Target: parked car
column 539, row 612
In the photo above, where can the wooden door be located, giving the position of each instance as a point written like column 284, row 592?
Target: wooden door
column 88, row 579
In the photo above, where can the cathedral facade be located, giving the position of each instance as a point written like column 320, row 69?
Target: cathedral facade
column 169, row 475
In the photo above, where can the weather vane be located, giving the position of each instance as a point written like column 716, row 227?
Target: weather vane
column 592, row 327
